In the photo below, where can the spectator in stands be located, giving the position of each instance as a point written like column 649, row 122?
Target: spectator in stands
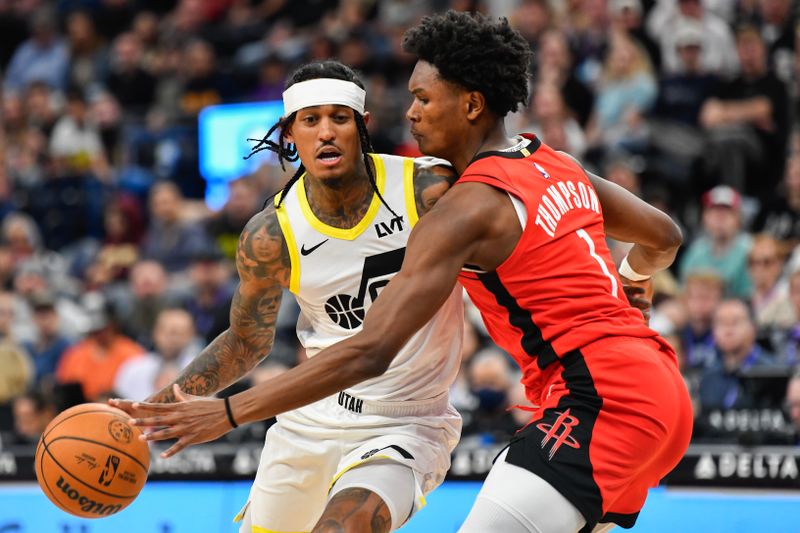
column 723, row 246
column 35, row 276
column 718, row 55
column 770, row 300
column 14, row 119
column 49, row 344
column 789, row 341
column 734, row 340
column 211, row 293
column 555, row 67
column 15, row 378
column 145, row 28
column 747, row 121
column 94, row 361
column 10, row 328
column 490, row 378
column 75, row 146
column 793, row 402
column 22, row 237
column 531, row 18
column 674, row 123
column 777, row 23
column 169, row 240
column 132, row 85
column 44, row 57
column 148, row 297
column 33, row 410
column 702, row 293
column 586, row 26
column 40, row 108
column 272, row 72
column 224, row 227
column 88, row 54
column 780, row 214
column 203, row 84
column 106, row 114
column 175, row 343
column 626, row 16
column 123, row 223
column 627, row 90
column 549, row 118
column 7, row 201
column 625, row 171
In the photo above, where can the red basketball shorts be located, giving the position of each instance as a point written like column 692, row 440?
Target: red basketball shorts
column 614, row 418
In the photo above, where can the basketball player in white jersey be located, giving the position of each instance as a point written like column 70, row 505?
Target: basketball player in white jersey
column 362, row 459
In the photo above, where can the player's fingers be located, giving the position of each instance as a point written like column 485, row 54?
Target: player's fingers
column 155, row 407
column 175, row 448
column 125, row 405
column 160, row 434
column 151, row 421
column 632, row 290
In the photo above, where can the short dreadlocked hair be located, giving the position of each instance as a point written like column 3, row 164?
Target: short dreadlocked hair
column 288, row 152
column 477, row 54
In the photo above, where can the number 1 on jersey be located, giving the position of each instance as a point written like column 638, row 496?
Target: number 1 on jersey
column 585, row 236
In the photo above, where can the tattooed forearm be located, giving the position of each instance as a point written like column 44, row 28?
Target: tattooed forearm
column 355, row 509
column 264, row 269
column 430, row 183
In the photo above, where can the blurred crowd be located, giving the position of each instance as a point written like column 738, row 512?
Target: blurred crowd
column 114, row 273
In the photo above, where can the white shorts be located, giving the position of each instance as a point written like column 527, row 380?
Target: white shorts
column 308, row 449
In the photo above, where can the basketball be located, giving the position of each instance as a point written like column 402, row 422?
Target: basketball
column 90, row 461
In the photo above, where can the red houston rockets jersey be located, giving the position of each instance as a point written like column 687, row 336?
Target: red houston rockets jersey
column 559, row 289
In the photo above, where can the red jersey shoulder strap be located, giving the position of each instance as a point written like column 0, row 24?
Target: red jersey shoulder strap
column 489, row 171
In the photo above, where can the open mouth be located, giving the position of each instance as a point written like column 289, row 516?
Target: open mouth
column 329, row 156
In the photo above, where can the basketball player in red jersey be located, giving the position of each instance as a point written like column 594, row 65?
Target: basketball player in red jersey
column 523, row 231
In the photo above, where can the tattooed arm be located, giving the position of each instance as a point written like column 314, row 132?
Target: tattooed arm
column 432, row 178
column 262, row 260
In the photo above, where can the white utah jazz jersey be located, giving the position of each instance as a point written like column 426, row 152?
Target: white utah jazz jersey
column 338, row 273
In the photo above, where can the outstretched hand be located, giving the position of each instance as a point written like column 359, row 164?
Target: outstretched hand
column 640, row 295
column 191, row 420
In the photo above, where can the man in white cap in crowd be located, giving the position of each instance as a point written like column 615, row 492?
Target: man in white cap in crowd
column 723, row 247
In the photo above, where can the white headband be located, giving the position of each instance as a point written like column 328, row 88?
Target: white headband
column 322, row 91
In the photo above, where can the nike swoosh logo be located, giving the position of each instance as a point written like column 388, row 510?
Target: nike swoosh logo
column 306, row 251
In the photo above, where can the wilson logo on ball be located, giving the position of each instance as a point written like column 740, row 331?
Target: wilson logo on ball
column 348, row 311
column 88, row 505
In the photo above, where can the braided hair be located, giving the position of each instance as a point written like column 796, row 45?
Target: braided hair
column 288, row 152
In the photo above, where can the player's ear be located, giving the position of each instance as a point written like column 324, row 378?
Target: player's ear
column 366, row 117
column 288, row 133
column 475, row 104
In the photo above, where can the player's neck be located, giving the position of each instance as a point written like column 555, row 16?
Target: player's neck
column 489, row 138
column 340, row 202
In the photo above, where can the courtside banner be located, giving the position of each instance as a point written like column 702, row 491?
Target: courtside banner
column 762, row 467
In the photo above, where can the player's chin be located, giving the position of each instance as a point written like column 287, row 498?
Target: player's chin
column 426, row 147
column 329, row 171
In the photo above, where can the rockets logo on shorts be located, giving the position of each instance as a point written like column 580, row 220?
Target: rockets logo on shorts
column 564, row 423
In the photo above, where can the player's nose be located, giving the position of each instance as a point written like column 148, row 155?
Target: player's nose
column 326, row 131
column 412, row 113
